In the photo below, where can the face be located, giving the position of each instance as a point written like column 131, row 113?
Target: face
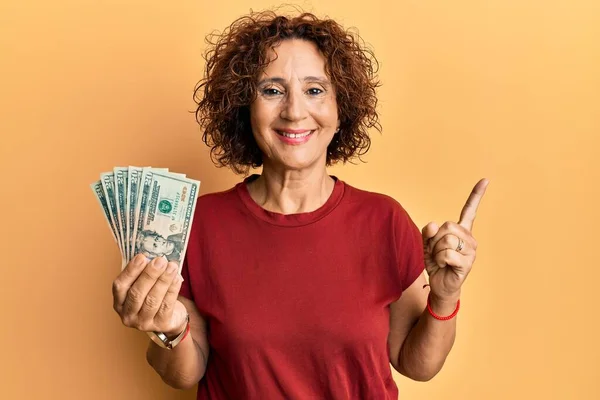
column 156, row 245
column 294, row 116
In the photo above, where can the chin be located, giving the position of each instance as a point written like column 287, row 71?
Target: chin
column 299, row 163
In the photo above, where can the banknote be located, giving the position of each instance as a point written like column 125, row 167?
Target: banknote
column 101, row 197
column 134, row 174
column 108, row 184
column 133, row 191
column 120, row 180
column 164, row 215
column 149, row 210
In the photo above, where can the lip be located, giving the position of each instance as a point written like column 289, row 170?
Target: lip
column 296, row 131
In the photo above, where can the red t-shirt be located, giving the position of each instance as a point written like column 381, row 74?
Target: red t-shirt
column 298, row 305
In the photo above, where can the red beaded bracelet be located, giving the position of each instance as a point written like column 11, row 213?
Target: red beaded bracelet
column 439, row 317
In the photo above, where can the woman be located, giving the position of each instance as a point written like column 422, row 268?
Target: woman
column 297, row 285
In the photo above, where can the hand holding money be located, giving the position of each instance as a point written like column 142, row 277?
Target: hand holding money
column 145, row 296
column 150, row 213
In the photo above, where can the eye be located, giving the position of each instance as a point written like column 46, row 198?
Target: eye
column 270, row 92
column 314, row 91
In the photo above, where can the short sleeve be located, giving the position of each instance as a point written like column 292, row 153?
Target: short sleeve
column 409, row 250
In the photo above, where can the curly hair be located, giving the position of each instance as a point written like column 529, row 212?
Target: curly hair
column 236, row 58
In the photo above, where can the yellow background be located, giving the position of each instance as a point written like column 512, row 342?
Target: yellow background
column 504, row 89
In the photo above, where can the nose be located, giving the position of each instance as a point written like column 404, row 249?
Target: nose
column 294, row 106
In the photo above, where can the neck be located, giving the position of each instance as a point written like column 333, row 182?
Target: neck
column 291, row 192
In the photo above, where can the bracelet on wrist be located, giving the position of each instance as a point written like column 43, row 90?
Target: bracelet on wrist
column 439, row 317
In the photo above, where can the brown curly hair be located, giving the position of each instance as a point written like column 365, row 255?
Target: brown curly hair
column 236, row 58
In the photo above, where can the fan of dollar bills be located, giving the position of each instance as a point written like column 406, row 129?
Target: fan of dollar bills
column 149, row 210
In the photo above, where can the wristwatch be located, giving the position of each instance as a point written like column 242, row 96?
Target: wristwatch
column 163, row 341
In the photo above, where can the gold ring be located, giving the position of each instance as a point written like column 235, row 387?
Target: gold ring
column 461, row 243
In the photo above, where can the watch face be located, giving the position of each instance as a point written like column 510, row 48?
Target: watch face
column 160, row 339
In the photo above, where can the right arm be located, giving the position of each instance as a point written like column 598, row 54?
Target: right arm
column 185, row 365
column 146, row 298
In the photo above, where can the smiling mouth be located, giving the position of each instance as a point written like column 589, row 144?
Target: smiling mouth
column 294, row 135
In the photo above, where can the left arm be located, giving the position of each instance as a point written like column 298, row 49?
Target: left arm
column 419, row 343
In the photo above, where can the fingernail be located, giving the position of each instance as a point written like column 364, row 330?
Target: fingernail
column 140, row 259
column 172, row 268
column 160, row 262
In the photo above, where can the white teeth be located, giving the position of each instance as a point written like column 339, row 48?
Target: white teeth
column 295, row 135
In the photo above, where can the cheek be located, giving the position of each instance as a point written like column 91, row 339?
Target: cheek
column 261, row 119
column 325, row 112
column 261, row 114
column 327, row 117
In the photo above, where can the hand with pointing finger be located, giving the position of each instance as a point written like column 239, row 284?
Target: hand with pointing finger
column 450, row 249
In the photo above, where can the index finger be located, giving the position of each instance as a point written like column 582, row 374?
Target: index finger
column 127, row 277
column 469, row 211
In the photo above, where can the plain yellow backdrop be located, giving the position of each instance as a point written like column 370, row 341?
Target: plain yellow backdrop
column 503, row 89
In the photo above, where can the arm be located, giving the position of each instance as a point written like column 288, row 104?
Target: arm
column 419, row 343
column 145, row 296
column 184, row 366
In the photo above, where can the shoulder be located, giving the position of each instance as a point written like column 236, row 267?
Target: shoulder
column 216, row 204
column 217, row 198
column 379, row 202
column 386, row 212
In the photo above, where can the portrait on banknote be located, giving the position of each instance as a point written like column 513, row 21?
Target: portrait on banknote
column 152, row 244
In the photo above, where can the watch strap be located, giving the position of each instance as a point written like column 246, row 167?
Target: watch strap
column 163, row 341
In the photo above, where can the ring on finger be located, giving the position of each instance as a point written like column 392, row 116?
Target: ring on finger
column 460, row 245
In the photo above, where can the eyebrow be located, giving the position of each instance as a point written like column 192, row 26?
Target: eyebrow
column 317, row 79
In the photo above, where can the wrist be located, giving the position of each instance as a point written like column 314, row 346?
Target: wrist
column 170, row 342
column 172, row 334
column 443, row 305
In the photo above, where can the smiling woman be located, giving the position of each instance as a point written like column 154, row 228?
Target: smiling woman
column 336, row 70
column 294, row 116
column 296, row 284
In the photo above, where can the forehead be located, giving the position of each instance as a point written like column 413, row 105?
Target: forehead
column 300, row 57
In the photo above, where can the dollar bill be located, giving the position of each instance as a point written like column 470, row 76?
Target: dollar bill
column 134, row 175
column 101, row 197
column 164, row 214
column 137, row 175
column 108, row 184
column 120, row 180
column 127, row 184
column 149, row 210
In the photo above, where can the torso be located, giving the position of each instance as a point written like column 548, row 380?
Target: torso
column 297, row 305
